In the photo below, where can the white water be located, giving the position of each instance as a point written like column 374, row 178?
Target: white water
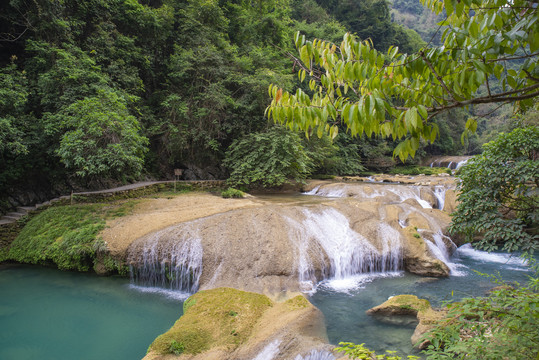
column 360, row 191
column 439, row 249
column 169, row 263
column 483, row 256
column 461, row 163
column 269, row 352
column 439, row 192
column 327, row 238
column 317, row 355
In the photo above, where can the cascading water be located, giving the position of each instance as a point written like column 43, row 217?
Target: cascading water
column 439, row 249
column 328, row 238
column 439, row 192
column 316, row 355
column 270, row 351
column 461, row 164
column 168, row 263
column 371, row 191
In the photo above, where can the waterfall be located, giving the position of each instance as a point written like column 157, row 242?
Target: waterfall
column 371, row 191
column 317, row 355
column 168, row 263
column 326, row 237
column 461, row 163
column 439, row 250
column 439, row 192
column 501, row 258
column 269, row 351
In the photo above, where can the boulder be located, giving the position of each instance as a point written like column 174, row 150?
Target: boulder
column 417, row 258
column 226, row 324
column 411, row 305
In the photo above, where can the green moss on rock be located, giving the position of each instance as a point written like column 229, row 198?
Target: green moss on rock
column 207, row 321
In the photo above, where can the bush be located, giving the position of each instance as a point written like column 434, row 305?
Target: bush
column 267, row 159
column 498, row 199
column 502, row 325
column 176, row 348
column 232, row 193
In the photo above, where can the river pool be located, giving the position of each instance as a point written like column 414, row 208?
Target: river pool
column 49, row 314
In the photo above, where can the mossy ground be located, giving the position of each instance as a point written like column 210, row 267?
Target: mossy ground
column 222, row 317
column 66, row 236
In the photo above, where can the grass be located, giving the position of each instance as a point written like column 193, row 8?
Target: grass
column 222, row 317
column 66, row 236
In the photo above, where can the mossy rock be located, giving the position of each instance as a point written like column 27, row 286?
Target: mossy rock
column 217, row 318
column 411, row 305
column 402, row 305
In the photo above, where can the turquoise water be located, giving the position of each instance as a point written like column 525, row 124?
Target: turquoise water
column 49, row 314
column 344, row 303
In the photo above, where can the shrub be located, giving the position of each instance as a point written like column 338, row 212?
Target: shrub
column 267, row 159
column 176, row 348
column 502, row 325
column 498, row 198
column 232, row 193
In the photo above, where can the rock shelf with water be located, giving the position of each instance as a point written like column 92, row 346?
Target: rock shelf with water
column 343, row 230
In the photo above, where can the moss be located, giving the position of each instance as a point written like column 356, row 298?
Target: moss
column 298, row 302
column 207, row 321
column 67, row 236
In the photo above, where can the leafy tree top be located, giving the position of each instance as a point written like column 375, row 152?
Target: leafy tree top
column 486, row 44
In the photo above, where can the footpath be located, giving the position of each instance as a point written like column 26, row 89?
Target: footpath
column 24, row 210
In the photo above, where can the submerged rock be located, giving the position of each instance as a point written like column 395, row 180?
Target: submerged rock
column 226, row 323
column 411, row 305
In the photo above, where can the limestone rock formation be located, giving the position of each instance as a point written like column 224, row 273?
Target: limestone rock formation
column 410, row 305
column 290, row 246
column 228, row 324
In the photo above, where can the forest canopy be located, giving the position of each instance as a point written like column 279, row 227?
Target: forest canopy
column 100, row 91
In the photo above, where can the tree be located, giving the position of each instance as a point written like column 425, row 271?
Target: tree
column 395, row 94
column 101, row 138
column 499, row 200
column 267, row 159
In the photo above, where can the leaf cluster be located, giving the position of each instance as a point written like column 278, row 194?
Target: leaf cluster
column 395, row 94
column 502, row 325
column 267, row 159
column 499, row 199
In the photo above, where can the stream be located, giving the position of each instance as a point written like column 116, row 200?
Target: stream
column 51, row 314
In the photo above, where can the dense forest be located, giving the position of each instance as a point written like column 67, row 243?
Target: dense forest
column 102, row 91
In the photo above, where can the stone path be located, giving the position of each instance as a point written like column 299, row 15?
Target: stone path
column 24, row 210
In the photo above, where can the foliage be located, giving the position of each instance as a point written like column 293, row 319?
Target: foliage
column 339, row 157
column 361, row 352
column 397, row 95
column 102, row 138
column 232, row 193
column 499, row 200
column 417, row 170
column 176, row 348
column 502, row 325
column 267, row 159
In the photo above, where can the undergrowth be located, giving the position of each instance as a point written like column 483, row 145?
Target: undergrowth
column 417, row 170
column 66, row 236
